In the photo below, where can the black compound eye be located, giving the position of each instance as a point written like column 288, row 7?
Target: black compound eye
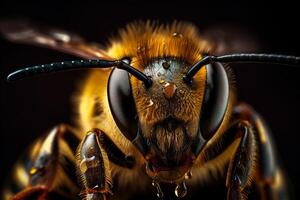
column 121, row 103
column 215, row 100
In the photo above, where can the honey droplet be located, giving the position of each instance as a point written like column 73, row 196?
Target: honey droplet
column 159, row 192
column 169, row 90
column 181, row 190
column 161, row 81
column 33, row 171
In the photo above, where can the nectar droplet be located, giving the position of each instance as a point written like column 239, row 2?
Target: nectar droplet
column 161, row 81
column 159, row 192
column 169, row 90
column 181, row 190
column 33, row 171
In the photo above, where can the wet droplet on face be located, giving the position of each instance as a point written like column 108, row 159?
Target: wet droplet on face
column 166, row 65
column 161, row 81
column 159, row 192
column 181, row 190
column 33, row 171
column 175, row 34
column 188, row 175
column 88, row 163
column 169, row 90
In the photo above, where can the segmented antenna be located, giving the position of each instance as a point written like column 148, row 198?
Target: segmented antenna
column 242, row 57
column 78, row 64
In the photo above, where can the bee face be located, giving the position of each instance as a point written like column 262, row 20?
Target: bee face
column 173, row 119
column 169, row 111
column 170, row 121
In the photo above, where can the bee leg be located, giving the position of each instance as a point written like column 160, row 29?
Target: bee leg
column 241, row 167
column 47, row 169
column 269, row 178
column 93, row 166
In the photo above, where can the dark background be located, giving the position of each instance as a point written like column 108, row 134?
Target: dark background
column 31, row 106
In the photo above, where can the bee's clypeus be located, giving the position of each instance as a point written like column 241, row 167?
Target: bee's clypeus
column 163, row 112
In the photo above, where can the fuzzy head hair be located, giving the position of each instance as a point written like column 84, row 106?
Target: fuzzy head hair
column 145, row 41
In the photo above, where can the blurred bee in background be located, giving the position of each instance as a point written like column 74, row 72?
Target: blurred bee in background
column 157, row 108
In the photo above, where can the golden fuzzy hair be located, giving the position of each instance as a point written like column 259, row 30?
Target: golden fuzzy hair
column 144, row 41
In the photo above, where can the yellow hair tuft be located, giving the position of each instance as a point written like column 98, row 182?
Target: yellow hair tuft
column 145, row 41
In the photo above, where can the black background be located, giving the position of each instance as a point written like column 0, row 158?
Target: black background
column 31, row 106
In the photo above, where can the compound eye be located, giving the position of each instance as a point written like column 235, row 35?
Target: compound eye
column 121, row 103
column 215, row 100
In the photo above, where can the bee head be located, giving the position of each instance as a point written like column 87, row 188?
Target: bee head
column 171, row 120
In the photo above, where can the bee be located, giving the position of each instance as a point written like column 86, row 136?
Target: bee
column 157, row 109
